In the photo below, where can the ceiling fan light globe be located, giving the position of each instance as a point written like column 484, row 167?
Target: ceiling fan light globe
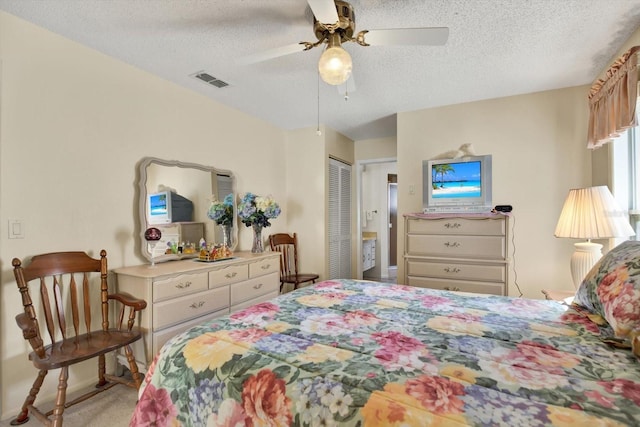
column 335, row 65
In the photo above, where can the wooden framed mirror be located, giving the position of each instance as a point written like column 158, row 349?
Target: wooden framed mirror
column 197, row 184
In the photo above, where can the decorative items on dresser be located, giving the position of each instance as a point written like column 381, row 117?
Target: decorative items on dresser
column 184, row 293
column 458, row 251
column 177, row 237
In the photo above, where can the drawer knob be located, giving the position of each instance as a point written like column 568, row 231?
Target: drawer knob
column 453, row 225
column 455, row 289
column 197, row 305
column 230, row 275
column 265, row 266
column 183, row 285
column 452, row 244
column 452, row 270
column 258, row 286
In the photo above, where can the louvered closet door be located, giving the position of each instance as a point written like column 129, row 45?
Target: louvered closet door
column 339, row 220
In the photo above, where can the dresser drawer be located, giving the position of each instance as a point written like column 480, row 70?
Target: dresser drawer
column 179, row 285
column 170, row 312
column 255, row 287
column 481, row 247
column 457, row 271
column 160, row 338
column 228, row 275
column 264, row 266
column 262, row 298
column 458, row 285
column 478, row 227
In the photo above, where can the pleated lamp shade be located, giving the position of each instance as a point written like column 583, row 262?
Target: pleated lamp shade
column 590, row 213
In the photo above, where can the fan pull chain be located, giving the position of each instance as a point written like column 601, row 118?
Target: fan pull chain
column 318, row 132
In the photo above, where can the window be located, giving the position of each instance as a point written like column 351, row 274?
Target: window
column 625, row 175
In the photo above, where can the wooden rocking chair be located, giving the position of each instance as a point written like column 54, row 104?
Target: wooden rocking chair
column 72, row 277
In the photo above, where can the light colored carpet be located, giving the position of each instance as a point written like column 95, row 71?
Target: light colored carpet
column 112, row 408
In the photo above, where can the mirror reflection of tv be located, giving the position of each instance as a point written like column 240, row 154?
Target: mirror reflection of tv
column 165, row 207
column 457, row 185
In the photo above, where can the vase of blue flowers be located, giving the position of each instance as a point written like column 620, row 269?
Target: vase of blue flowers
column 221, row 212
column 226, row 235
column 258, row 246
column 256, row 211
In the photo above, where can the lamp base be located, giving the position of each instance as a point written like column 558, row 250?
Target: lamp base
column 585, row 257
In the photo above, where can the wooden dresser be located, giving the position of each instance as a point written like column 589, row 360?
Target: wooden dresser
column 181, row 294
column 458, row 252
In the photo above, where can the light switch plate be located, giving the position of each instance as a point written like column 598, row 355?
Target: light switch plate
column 16, row 229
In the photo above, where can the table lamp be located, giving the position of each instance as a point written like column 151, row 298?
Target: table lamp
column 590, row 213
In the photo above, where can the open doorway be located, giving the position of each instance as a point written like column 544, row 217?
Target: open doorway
column 392, row 196
column 377, row 204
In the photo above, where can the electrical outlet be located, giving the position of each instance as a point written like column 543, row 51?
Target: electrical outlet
column 412, row 189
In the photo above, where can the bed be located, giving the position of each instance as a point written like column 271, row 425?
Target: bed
column 360, row 353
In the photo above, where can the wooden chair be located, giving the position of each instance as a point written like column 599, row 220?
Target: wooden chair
column 287, row 245
column 72, row 284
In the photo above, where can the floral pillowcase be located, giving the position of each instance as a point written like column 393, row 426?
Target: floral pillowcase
column 612, row 289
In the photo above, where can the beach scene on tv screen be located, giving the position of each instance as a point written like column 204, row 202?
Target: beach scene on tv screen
column 158, row 204
column 456, row 180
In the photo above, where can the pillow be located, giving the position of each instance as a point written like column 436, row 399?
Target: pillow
column 612, row 288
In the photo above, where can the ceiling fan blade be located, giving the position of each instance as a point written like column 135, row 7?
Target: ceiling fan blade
column 324, row 11
column 272, row 53
column 434, row 36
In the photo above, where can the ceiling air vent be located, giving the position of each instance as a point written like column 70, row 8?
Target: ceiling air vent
column 209, row 79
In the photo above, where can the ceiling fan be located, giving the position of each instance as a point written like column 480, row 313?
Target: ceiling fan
column 334, row 23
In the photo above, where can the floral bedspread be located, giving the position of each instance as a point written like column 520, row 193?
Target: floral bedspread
column 359, row 353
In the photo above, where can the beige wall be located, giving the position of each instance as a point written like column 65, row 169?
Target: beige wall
column 307, row 185
column 306, row 172
column 377, row 148
column 538, row 147
column 74, row 124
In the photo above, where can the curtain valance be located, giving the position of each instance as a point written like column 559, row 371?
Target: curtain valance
column 612, row 100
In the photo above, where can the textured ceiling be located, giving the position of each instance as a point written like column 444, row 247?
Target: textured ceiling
column 496, row 48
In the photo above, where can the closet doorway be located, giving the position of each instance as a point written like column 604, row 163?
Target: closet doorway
column 339, row 220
